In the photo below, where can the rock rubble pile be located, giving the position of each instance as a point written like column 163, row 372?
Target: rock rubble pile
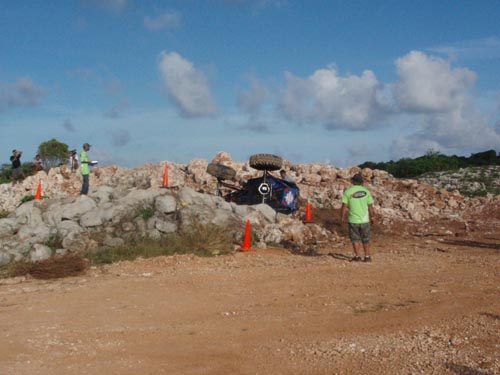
column 118, row 195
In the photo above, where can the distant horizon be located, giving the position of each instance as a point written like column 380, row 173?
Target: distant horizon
column 287, row 160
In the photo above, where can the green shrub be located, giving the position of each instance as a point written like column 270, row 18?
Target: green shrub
column 54, row 242
column 27, row 198
column 147, row 213
column 433, row 161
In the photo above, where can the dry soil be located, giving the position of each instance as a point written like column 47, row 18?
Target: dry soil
column 427, row 304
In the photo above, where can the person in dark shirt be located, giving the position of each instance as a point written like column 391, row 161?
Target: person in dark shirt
column 17, row 170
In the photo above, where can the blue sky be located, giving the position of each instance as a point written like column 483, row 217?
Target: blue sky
column 339, row 82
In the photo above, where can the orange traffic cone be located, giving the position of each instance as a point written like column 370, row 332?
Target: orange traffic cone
column 247, row 241
column 308, row 218
column 165, row 177
column 38, row 195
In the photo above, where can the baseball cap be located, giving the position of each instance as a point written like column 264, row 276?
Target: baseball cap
column 86, row 144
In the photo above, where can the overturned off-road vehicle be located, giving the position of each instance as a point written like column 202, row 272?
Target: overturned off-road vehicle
column 280, row 194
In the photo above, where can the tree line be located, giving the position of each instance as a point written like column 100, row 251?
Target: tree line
column 433, row 161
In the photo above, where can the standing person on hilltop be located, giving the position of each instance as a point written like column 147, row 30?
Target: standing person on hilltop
column 73, row 161
column 357, row 201
column 17, row 170
column 85, row 168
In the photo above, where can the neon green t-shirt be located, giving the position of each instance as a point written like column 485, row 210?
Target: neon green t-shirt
column 84, row 166
column 357, row 199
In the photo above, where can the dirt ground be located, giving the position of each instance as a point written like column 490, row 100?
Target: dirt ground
column 428, row 304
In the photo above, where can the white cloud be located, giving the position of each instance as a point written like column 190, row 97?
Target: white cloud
column 166, row 20
column 474, row 49
column 351, row 102
column 22, row 93
column 456, row 132
column 429, row 84
column 187, row 86
column 439, row 95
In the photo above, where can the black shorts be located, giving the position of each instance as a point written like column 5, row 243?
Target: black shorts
column 359, row 232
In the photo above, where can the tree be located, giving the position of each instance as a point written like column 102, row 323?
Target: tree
column 53, row 153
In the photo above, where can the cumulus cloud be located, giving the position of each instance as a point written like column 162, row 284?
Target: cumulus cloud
column 166, row 20
column 187, row 86
column 460, row 131
column 430, row 84
column 351, row 102
column 439, row 96
column 23, row 93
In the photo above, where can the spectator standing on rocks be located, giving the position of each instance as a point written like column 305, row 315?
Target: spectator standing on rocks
column 357, row 210
column 85, row 168
column 73, row 160
column 37, row 164
column 17, row 170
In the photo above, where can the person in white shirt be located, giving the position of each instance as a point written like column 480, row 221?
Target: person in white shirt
column 73, row 161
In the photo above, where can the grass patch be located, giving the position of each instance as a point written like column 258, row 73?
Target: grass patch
column 27, row 198
column 53, row 268
column 199, row 239
column 147, row 213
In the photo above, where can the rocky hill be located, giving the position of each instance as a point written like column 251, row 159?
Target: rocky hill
column 111, row 212
column 472, row 181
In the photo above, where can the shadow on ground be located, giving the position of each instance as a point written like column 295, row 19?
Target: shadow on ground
column 469, row 243
column 463, row 370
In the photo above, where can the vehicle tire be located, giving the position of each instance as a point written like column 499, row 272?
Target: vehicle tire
column 221, row 171
column 266, row 162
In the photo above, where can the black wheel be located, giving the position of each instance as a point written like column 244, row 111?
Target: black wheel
column 265, row 162
column 221, row 171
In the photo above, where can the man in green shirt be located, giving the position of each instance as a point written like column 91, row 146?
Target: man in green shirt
column 85, row 168
column 357, row 201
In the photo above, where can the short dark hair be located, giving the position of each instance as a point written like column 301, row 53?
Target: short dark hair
column 357, row 179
